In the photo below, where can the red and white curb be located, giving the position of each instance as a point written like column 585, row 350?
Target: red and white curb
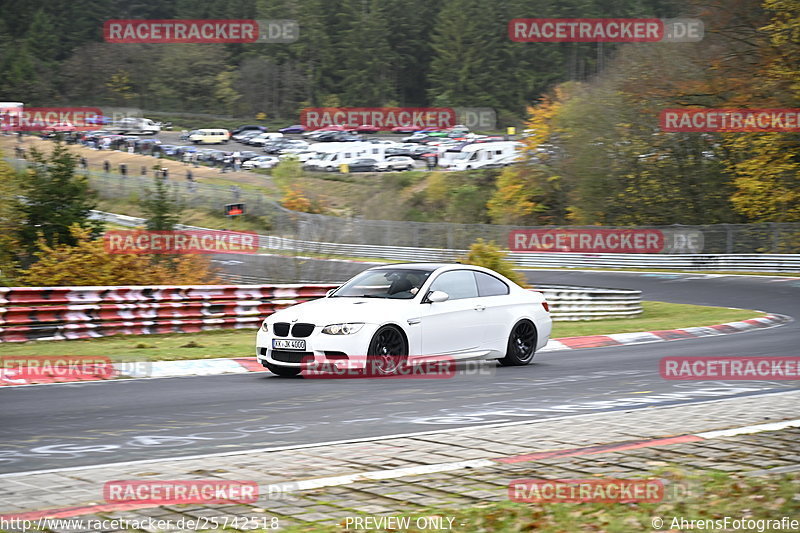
column 643, row 337
column 243, row 365
column 395, row 473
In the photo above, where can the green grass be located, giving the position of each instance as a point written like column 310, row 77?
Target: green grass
column 656, row 316
column 732, row 495
column 722, row 272
column 241, row 343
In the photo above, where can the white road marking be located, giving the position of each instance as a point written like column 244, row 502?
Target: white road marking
column 747, row 430
column 172, row 460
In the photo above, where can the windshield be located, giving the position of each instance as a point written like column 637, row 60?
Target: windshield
column 399, row 284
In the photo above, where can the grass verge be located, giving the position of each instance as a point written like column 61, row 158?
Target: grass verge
column 761, row 500
column 241, row 343
column 644, row 271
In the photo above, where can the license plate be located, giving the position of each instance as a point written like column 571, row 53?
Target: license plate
column 288, row 344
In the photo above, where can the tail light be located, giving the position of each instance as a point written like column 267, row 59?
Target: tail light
column 546, row 306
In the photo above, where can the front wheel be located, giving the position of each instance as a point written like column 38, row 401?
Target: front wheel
column 282, row 371
column 521, row 344
column 387, row 352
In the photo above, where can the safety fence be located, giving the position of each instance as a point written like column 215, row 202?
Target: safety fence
column 692, row 262
column 763, row 238
column 66, row 313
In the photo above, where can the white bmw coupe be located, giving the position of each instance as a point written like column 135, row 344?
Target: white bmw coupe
column 393, row 314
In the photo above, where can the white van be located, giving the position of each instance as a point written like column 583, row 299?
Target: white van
column 135, row 126
column 210, row 136
column 486, row 155
column 331, row 155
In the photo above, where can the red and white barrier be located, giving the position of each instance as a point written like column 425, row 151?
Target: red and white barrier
column 58, row 313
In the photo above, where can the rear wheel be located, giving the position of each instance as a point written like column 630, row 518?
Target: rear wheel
column 387, row 352
column 521, row 344
column 282, row 371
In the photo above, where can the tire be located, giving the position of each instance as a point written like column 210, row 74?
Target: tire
column 521, row 345
column 282, row 371
column 410, row 167
column 387, row 352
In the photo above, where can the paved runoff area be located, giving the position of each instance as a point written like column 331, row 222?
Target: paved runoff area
column 367, row 484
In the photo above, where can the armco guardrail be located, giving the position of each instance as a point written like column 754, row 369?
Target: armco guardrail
column 59, row 313
column 65, row 313
column 569, row 302
column 694, row 262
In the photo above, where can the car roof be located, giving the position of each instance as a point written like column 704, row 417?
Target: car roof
column 417, row 266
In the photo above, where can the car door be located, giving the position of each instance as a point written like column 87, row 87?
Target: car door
column 495, row 306
column 454, row 325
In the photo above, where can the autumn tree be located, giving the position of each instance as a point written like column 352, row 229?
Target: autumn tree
column 86, row 262
column 489, row 255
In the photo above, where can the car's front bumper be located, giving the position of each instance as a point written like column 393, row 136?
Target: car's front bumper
column 345, row 350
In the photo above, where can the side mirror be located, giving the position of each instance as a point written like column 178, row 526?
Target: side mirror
column 438, row 296
column 328, row 294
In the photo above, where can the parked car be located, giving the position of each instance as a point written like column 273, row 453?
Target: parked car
column 210, row 136
column 423, row 151
column 262, row 161
column 365, row 128
column 396, row 163
column 264, row 138
column 405, row 129
column 338, row 136
column 249, row 127
column 294, row 147
column 417, row 138
column 332, row 127
column 180, row 150
column 273, row 147
column 303, row 157
column 246, row 155
column 396, row 314
column 145, row 144
column 245, row 135
column 403, row 149
column 363, row 165
column 169, row 149
column 296, row 128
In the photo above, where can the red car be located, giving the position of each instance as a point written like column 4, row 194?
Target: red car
column 365, row 128
column 405, row 129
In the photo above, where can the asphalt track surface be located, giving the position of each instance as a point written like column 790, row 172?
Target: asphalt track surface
column 73, row 425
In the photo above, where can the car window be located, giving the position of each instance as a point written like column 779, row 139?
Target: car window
column 398, row 284
column 489, row 285
column 457, row 284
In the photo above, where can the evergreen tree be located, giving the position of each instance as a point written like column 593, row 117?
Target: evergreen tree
column 54, row 198
column 161, row 206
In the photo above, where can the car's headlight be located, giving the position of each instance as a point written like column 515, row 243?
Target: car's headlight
column 343, row 329
column 265, row 326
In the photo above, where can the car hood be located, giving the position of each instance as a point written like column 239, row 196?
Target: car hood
column 340, row 310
